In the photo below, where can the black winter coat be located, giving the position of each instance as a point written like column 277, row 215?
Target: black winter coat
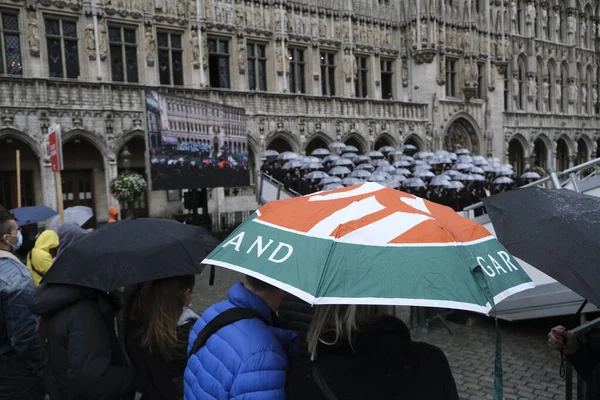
column 84, row 360
column 382, row 364
column 295, row 314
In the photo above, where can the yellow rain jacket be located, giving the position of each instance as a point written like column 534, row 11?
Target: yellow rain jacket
column 39, row 260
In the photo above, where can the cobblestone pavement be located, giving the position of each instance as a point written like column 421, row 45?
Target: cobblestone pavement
column 531, row 369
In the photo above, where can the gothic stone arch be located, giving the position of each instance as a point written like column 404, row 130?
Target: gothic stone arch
column 286, row 136
column 357, row 140
column 385, row 139
column 462, row 132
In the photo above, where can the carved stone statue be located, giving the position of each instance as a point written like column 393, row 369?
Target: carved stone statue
column 515, row 86
column 582, row 31
column 546, row 86
column 468, row 73
column 530, row 14
column 102, row 39
column 181, row 8
column 424, row 32
column 150, row 46
column 192, row 8
column 242, row 57
column 573, row 93
column 279, row 58
column 288, row 26
column 33, row 34
column 348, row 63
column 314, row 26
column 595, row 94
column 90, row 39
column 513, row 15
column 532, row 87
column 544, row 19
column 558, row 90
column 571, row 24
column 249, row 14
column 584, row 97
column 466, row 41
column 239, row 15
column 388, row 38
column 209, row 11
column 404, row 73
column 268, row 19
column 323, row 27
column 598, row 30
column 413, row 35
column 557, row 22
column 195, row 43
column 305, row 24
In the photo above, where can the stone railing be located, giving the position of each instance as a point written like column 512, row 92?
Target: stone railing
column 551, row 121
column 22, row 92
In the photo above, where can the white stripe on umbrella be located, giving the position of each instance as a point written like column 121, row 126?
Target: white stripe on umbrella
column 380, row 233
column 456, row 305
column 359, row 209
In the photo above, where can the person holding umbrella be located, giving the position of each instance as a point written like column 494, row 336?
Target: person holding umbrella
column 19, row 344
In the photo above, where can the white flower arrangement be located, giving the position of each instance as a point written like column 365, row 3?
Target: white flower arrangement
column 128, row 186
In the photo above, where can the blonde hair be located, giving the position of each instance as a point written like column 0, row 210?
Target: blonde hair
column 340, row 321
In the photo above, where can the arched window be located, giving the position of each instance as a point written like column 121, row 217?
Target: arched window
column 588, row 35
column 522, row 82
column 520, row 16
column 551, row 85
column 564, row 85
column 539, row 101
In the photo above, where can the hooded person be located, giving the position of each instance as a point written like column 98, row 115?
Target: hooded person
column 84, row 359
column 69, row 234
column 113, row 214
column 41, row 257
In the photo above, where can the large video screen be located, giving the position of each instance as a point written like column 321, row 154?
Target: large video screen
column 194, row 144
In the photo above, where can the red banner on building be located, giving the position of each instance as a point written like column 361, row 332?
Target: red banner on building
column 55, row 148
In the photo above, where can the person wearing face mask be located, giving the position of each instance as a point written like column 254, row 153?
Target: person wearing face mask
column 20, row 353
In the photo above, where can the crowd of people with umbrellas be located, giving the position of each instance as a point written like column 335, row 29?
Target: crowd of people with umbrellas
column 313, row 318
column 455, row 179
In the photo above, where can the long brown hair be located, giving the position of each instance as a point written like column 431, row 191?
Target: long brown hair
column 158, row 307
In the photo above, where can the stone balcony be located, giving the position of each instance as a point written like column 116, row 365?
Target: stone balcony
column 22, row 93
column 552, row 122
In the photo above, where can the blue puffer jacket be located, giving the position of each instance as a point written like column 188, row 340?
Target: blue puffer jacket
column 246, row 360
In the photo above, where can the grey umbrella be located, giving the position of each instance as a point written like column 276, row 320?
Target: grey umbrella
column 331, row 157
column 367, row 167
column 333, row 186
column 287, row 156
column 330, row 179
column 360, row 173
column 349, row 181
column 293, row 164
column 455, row 185
column 317, row 175
column 413, row 183
column 320, row 152
column 375, row 154
column 503, row 180
column 349, row 156
column 530, row 175
column 338, row 171
column 408, row 147
column 342, row 162
column 350, row 149
column 362, row 159
column 556, row 231
column 386, row 149
column 270, row 153
column 312, row 165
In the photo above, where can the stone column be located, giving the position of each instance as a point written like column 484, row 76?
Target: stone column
column 110, row 173
column 48, row 185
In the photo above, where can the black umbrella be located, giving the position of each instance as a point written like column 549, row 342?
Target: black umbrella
column 557, row 231
column 132, row 251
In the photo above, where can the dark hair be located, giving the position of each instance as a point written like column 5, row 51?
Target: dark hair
column 257, row 284
column 158, row 307
column 5, row 218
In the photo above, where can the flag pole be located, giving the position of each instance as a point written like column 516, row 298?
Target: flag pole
column 18, row 157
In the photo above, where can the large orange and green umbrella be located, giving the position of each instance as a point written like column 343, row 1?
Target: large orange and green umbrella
column 369, row 244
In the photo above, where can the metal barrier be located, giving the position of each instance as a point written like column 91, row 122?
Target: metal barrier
column 270, row 189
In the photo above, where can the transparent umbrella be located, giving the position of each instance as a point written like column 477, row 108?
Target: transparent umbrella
column 338, row 171
column 350, row 149
column 375, row 154
column 362, row 159
column 336, row 146
column 293, row 164
column 476, row 170
column 287, row 156
column 367, row 167
column 349, row 156
column 329, row 180
column 461, row 152
column 320, row 152
column 360, row 173
column 331, row 157
column 503, row 180
column 402, row 164
column 342, row 162
column 455, row 185
column 386, row 168
column 531, row 175
column 399, row 178
column 333, row 186
column 462, row 166
column 402, row 171
column 270, row 153
column 391, row 184
column 380, row 163
column 386, row 149
column 413, row 183
column 349, row 181
column 312, row 165
column 317, row 175
column 424, row 174
column 408, row 147
column 311, row 159
column 380, row 177
column 77, row 215
column 503, row 171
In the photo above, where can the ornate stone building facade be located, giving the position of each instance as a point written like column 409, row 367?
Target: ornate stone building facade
column 517, row 80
